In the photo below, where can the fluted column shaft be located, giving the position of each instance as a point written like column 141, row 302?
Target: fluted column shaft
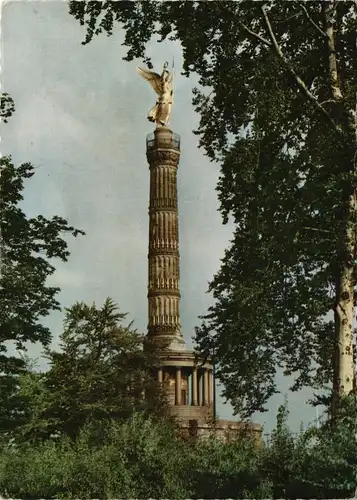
column 164, row 270
column 178, row 386
column 194, row 387
column 210, row 387
column 205, row 387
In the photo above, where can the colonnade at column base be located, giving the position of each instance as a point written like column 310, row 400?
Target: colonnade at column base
column 188, row 384
column 180, row 374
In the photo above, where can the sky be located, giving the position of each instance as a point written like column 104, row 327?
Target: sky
column 81, row 121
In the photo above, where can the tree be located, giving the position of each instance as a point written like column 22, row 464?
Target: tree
column 100, row 374
column 20, row 395
column 228, row 470
column 26, row 247
column 278, row 86
column 318, row 462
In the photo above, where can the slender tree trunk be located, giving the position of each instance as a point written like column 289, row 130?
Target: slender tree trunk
column 343, row 376
column 343, row 360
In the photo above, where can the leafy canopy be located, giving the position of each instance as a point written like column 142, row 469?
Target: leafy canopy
column 286, row 148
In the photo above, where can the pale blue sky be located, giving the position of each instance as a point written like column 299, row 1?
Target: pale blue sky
column 81, row 121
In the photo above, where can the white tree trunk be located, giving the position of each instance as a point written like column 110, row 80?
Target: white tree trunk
column 344, row 372
column 343, row 365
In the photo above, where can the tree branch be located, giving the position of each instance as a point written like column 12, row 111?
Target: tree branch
column 252, row 33
column 332, row 101
column 317, row 229
column 255, row 35
column 308, row 17
column 334, row 79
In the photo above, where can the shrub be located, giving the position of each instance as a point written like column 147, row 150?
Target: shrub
column 138, row 459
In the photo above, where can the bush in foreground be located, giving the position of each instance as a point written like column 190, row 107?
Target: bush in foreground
column 143, row 458
column 137, row 459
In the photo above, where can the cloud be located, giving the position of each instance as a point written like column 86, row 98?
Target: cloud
column 44, row 118
column 65, row 278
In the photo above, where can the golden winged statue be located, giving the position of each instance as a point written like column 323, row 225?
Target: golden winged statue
column 162, row 84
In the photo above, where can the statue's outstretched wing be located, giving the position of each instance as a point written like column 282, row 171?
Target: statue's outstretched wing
column 153, row 78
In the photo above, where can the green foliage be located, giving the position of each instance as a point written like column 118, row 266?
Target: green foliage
column 143, row 458
column 286, row 173
column 7, row 106
column 100, row 374
column 281, row 458
column 21, row 397
column 318, row 463
column 26, row 246
column 228, row 470
column 138, row 459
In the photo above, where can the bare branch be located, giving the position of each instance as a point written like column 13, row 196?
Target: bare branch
column 256, row 35
column 308, row 17
column 317, row 229
column 332, row 101
column 293, row 16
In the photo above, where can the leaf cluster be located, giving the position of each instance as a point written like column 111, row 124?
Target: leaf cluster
column 7, row 106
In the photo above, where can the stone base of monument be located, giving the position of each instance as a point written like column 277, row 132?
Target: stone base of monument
column 225, row 430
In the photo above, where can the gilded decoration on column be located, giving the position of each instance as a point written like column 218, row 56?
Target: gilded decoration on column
column 163, row 86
